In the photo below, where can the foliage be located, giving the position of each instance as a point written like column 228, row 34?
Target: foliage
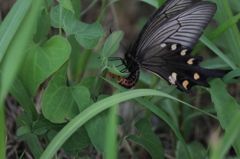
column 76, row 114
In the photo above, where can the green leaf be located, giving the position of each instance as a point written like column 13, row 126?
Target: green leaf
column 89, row 36
column 24, row 133
column 154, row 3
column 226, row 107
column 108, row 48
column 77, row 154
column 115, row 71
column 98, row 125
column 104, row 104
column 20, row 93
column 196, row 149
column 42, row 30
column 42, row 125
column 66, row 4
column 61, row 103
column 148, row 139
column 34, row 145
column 111, row 44
column 23, row 130
column 41, row 62
column 88, row 83
column 58, row 104
column 78, row 140
column 82, row 97
column 68, row 22
column 25, row 119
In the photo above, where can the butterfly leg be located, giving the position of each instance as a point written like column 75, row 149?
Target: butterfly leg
column 114, row 58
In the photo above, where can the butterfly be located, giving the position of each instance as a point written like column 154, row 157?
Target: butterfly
column 165, row 43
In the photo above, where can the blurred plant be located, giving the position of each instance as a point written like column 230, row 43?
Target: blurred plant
column 75, row 112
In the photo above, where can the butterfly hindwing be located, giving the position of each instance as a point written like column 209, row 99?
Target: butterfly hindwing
column 175, row 64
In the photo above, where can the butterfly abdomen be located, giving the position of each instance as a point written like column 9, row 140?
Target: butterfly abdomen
column 130, row 81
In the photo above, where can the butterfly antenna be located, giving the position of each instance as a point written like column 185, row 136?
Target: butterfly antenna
column 110, row 30
column 124, row 47
column 129, row 48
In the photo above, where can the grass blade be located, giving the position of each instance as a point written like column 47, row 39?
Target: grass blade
column 232, row 37
column 17, row 49
column 218, row 52
column 220, row 30
column 11, row 24
column 232, row 132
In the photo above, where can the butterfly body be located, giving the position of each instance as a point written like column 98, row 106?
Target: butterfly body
column 130, row 81
column 164, row 46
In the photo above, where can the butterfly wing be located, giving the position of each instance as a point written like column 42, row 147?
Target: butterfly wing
column 175, row 64
column 168, row 9
column 184, row 28
column 165, row 50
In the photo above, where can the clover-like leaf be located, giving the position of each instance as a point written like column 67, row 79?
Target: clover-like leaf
column 87, row 35
column 111, row 44
column 79, row 139
column 58, row 104
column 90, row 36
column 66, row 4
column 196, row 149
column 148, row 139
column 68, row 21
column 115, row 71
column 41, row 62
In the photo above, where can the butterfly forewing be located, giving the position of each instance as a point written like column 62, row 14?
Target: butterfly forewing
column 168, row 9
column 184, row 28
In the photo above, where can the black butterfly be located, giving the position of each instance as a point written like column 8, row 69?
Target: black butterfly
column 164, row 45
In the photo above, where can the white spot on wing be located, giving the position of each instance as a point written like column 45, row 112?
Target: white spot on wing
column 173, row 78
column 163, row 45
column 185, row 84
column 183, row 52
column 190, row 61
column 174, row 46
column 196, row 76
